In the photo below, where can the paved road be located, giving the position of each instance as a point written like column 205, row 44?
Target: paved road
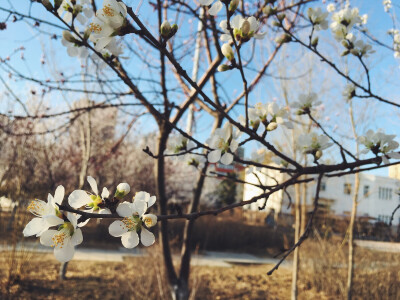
column 207, row 258
column 379, row 246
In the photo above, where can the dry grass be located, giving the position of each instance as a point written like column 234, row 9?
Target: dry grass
column 322, row 275
column 324, row 268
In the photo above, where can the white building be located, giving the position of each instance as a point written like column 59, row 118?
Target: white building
column 378, row 196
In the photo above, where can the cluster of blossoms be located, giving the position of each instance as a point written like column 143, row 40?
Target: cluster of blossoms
column 387, row 5
column 68, row 234
column 79, row 10
column 379, row 142
column 396, row 42
column 102, row 30
column 268, row 114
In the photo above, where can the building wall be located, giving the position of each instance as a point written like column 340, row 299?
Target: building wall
column 378, row 196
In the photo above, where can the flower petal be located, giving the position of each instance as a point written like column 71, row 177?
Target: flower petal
column 147, row 238
column 105, row 193
column 79, row 198
column 214, row 156
column 72, row 218
column 77, row 237
column 215, row 8
column 59, row 194
column 93, row 184
column 65, row 253
column 140, row 207
column 206, row 2
column 125, row 209
column 227, row 159
column 117, row 228
column 35, row 226
column 152, row 200
column 52, row 220
column 130, row 239
column 46, row 237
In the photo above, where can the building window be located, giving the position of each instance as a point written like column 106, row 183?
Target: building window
column 347, row 188
column 385, row 193
column 323, row 186
column 366, row 191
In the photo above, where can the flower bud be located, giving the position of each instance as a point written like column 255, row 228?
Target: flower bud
column 314, row 42
column 69, row 37
column 255, row 124
column 344, row 53
column 284, row 38
column 227, row 51
column 233, row 5
column 272, row 126
column 223, row 68
column 57, row 4
column 276, row 24
column 47, row 5
column 165, row 29
column 245, row 28
column 268, row 10
column 281, row 17
column 354, row 52
column 174, row 29
column 86, row 34
column 318, row 154
column 122, row 190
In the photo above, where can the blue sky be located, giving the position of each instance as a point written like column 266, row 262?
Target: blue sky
column 384, row 70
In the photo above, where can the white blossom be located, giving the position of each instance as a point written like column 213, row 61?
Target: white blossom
column 223, row 141
column 47, row 214
column 343, row 22
column 74, row 49
column 331, row 7
column 387, row 5
column 378, row 142
column 179, row 143
column 243, row 29
column 349, row 91
column 112, row 13
column 92, row 202
column 64, row 239
column 305, row 103
column 318, row 18
column 135, row 220
column 313, row 143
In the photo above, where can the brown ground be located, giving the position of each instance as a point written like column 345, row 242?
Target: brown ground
column 139, row 278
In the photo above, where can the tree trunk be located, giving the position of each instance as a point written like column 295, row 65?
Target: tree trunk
column 159, row 174
column 303, row 207
column 296, row 238
column 350, row 267
column 63, row 270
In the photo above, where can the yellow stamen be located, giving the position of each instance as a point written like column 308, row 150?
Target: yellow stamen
column 36, row 207
column 96, row 28
column 108, row 11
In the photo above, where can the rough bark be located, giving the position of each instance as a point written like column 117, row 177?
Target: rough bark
column 295, row 269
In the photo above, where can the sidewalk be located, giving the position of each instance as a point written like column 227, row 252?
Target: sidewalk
column 207, row 258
